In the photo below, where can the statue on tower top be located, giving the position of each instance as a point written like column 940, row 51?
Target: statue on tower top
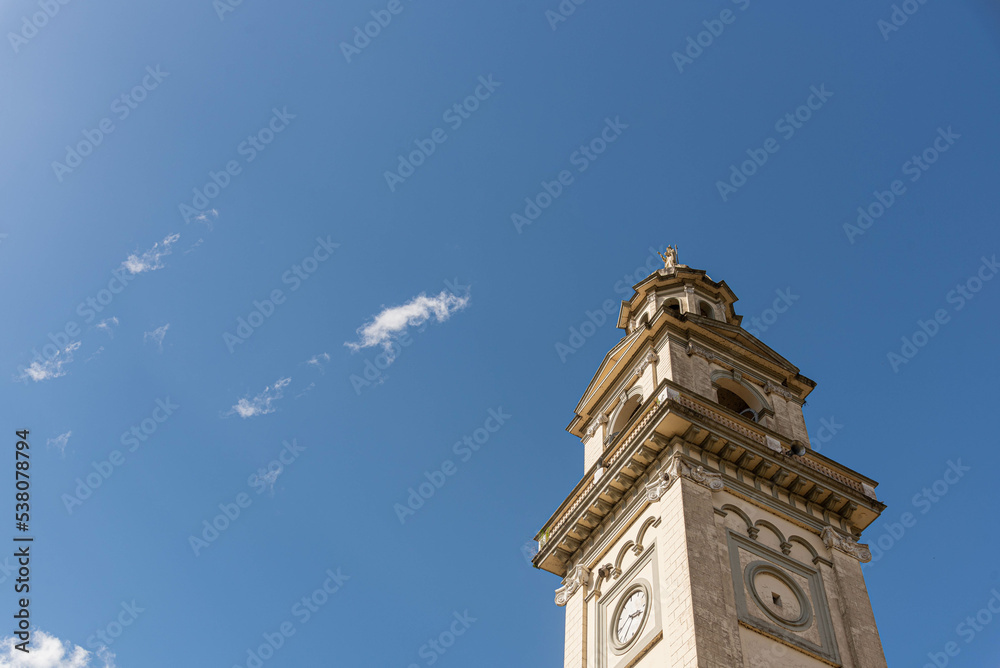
column 669, row 257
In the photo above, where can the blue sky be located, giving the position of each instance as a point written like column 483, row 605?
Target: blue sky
column 262, row 102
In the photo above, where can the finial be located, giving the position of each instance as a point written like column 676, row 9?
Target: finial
column 669, row 257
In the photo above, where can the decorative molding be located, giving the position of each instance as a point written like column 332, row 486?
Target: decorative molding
column 578, row 577
column 694, row 349
column 678, row 468
column 754, row 613
column 739, row 375
column 834, row 540
column 650, row 358
column 596, row 423
column 650, row 522
column 771, row 388
column 657, row 486
column 869, row 491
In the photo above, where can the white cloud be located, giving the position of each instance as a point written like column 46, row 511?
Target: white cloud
column 306, row 391
column 194, row 246
column 47, row 651
column 269, row 477
column 319, row 360
column 54, row 367
column 106, row 325
column 96, row 353
column 150, row 260
column 60, row 442
column 207, row 217
column 156, row 336
column 263, row 403
column 392, row 322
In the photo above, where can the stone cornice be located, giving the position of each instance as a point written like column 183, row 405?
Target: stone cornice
column 750, row 456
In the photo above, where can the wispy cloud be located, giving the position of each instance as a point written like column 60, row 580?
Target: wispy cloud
column 306, row 391
column 156, row 336
column 319, row 360
column 207, row 217
column 107, row 324
column 194, row 246
column 60, row 442
column 262, row 404
column 392, row 322
column 268, row 477
column 54, row 367
column 95, row 354
column 150, row 260
column 48, row 651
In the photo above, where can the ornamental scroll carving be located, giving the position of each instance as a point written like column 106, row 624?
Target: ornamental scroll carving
column 578, row 577
column 680, row 468
column 835, row 540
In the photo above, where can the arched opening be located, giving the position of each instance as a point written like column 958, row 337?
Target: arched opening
column 673, row 305
column 705, row 310
column 739, row 399
column 624, row 416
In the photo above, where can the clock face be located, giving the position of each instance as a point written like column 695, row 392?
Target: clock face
column 632, row 614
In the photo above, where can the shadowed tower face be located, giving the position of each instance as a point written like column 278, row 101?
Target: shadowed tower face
column 705, row 530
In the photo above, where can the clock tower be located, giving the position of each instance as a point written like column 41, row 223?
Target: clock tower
column 705, row 530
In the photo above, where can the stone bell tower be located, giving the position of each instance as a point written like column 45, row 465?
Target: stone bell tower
column 705, row 530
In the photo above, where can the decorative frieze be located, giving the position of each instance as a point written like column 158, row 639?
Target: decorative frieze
column 771, row 388
column 677, row 467
column 835, row 540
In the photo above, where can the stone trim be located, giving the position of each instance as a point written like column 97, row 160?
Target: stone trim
column 834, row 540
column 578, row 577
